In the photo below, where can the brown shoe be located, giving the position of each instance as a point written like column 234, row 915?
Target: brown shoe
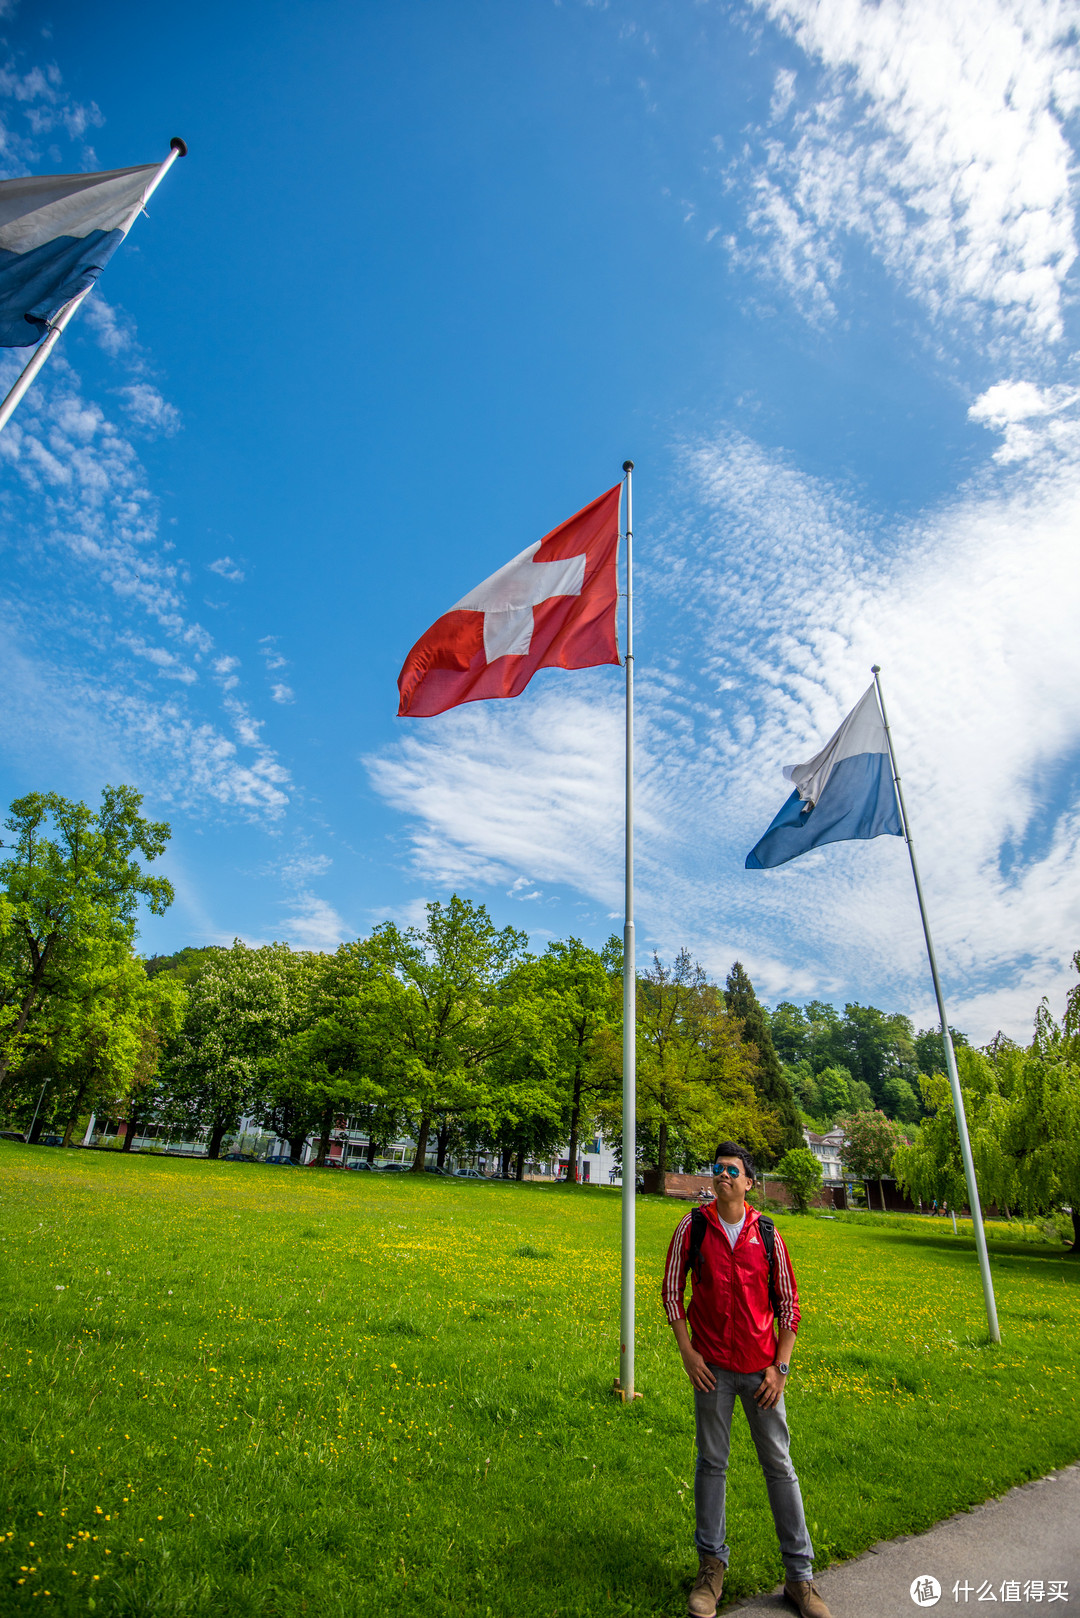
column 707, row 1587
column 804, row 1593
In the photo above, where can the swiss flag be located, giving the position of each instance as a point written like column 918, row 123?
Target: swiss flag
column 551, row 607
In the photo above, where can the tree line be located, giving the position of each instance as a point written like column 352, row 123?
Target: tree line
column 1022, row 1104
column 453, row 1032
column 457, row 1034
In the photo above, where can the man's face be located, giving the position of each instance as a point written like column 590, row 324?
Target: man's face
column 731, row 1189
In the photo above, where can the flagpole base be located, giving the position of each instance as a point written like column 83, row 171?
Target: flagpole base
column 621, row 1393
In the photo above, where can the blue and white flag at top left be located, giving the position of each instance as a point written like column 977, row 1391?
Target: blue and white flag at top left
column 845, row 792
column 57, row 233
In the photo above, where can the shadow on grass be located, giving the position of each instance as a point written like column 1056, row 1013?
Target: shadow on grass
column 1023, row 1252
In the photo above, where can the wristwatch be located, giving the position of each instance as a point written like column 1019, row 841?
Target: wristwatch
column 782, row 1366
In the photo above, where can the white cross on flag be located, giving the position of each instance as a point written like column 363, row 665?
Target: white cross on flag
column 551, row 607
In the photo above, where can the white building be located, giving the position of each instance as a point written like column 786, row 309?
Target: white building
column 597, row 1164
column 827, row 1149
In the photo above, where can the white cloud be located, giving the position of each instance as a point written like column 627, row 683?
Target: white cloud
column 497, row 786
column 90, row 572
column 301, row 868
column 313, row 923
column 1010, row 407
column 167, row 663
column 936, row 137
column 762, row 614
column 274, row 659
column 226, row 568
column 148, row 410
column 70, row 726
column 39, row 101
column 783, row 94
column 282, row 693
column 113, row 330
column 225, row 669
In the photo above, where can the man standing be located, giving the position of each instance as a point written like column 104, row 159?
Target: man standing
column 742, row 1281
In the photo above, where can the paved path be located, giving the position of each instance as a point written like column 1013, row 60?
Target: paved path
column 1030, row 1533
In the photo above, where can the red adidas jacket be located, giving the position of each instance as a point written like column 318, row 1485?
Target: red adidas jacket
column 730, row 1314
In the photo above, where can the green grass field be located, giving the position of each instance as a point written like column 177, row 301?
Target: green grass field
column 243, row 1390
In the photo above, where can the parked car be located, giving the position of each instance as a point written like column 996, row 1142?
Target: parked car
column 469, row 1174
column 359, row 1163
column 331, row 1163
column 393, row 1168
column 449, row 1173
column 12, row 1134
column 284, row 1161
column 238, row 1157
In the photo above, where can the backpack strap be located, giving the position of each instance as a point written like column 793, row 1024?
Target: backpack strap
column 698, row 1225
column 768, row 1237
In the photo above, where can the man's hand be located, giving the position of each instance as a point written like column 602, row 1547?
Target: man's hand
column 693, row 1363
column 771, row 1389
column 697, row 1370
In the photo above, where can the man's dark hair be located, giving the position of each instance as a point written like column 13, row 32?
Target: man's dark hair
column 728, row 1148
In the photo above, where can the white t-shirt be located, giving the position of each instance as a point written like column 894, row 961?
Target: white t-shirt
column 732, row 1231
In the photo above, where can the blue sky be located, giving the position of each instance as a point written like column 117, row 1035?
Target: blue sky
column 428, row 275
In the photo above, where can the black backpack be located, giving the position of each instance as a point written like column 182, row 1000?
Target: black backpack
column 698, row 1227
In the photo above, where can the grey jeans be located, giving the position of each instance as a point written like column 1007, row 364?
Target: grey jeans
column 769, row 1430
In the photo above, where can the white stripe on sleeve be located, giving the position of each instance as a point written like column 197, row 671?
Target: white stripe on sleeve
column 674, row 1283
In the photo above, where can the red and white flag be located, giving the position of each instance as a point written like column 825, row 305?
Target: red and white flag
column 551, row 607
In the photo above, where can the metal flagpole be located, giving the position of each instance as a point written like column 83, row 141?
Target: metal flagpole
column 946, row 1038
column 625, row 1383
column 44, row 349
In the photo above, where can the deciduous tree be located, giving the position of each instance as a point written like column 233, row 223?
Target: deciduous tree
column 241, row 1012
column 870, row 1142
column 71, row 881
column 800, row 1171
column 447, row 1008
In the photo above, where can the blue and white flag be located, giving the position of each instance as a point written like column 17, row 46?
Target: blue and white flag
column 845, row 792
column 57, row 233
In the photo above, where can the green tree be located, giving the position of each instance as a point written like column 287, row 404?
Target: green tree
column 694, row 1073
column 834, row 1086
column 804, row 1087
column 930, row 1050
column 582, row 994
column 241, row 1012
column 899, row 1100
column 447, row 1008
column 768, row 1079
column 931, row 1166
column 875, row 1046
column 185, row 965
column 791, row 1033
column 800, row 1171
column 96, row 1044
column 333, row 1063
column 70, row 882
column 826, row 1035
column 870, row 1143
column 1023, row 1114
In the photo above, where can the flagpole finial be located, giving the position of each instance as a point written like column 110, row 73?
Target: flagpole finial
column 875, row 668
column 628, row 466
column 178, row 145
